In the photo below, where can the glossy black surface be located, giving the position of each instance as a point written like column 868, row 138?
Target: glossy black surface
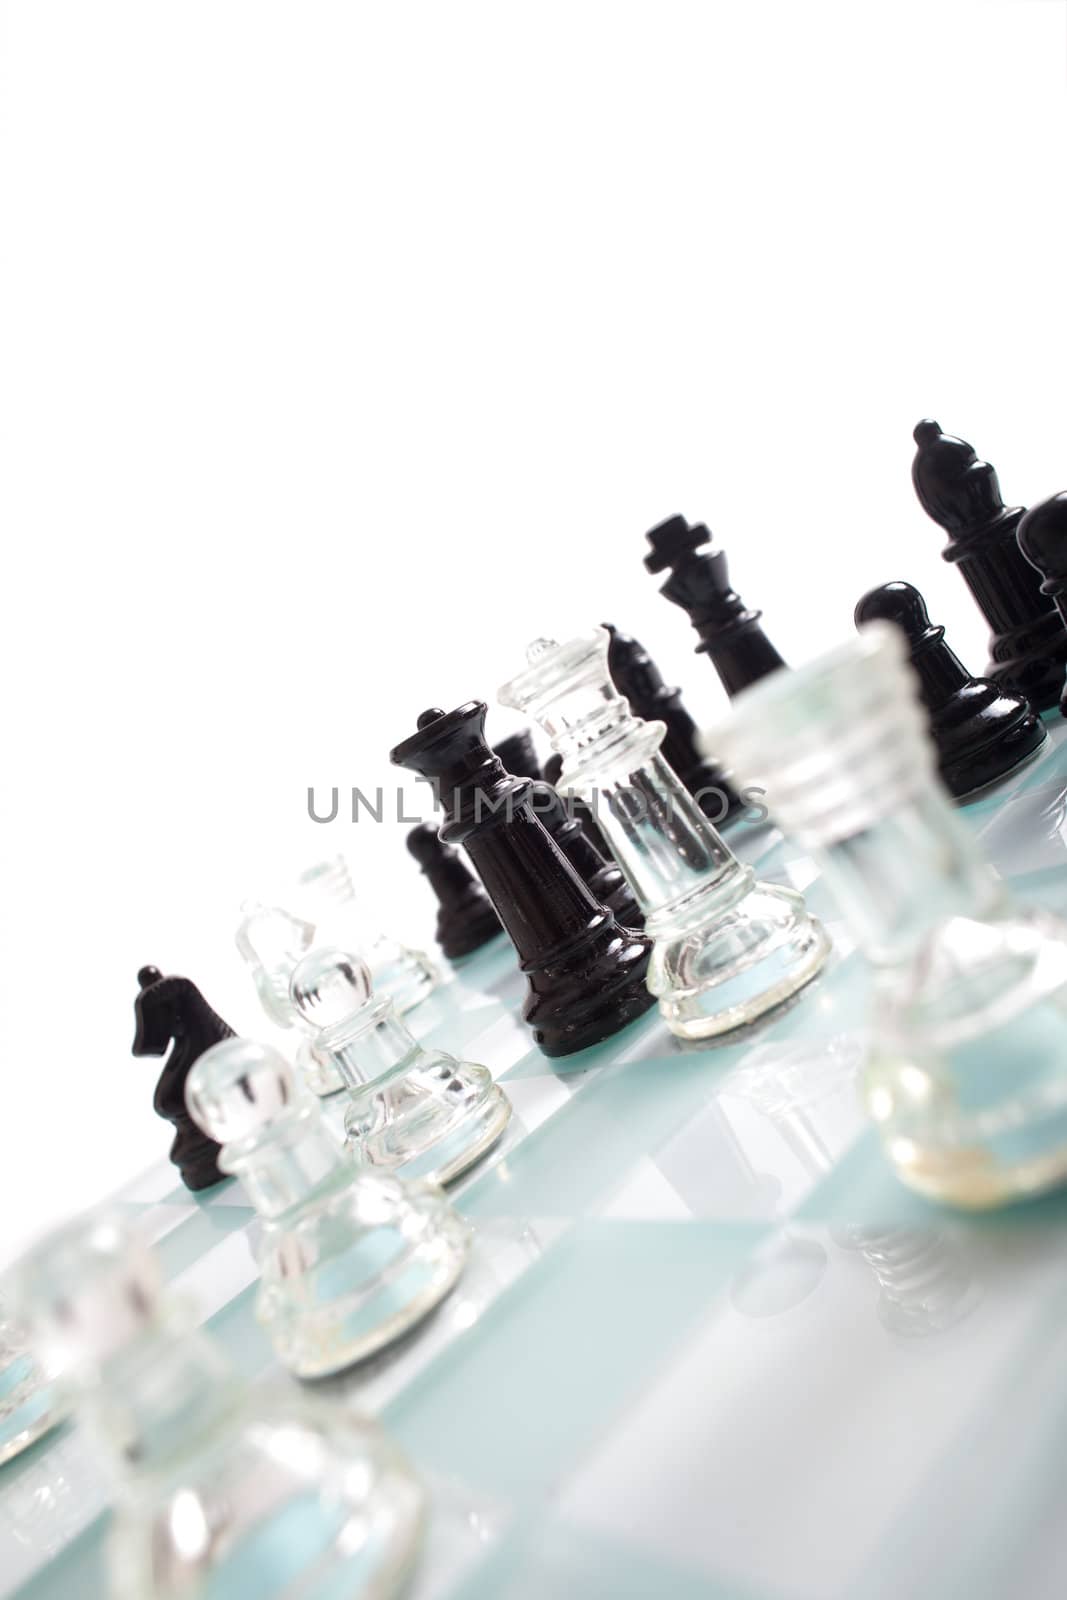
column 981, row 729
column 518, row 753
column 699, row 582
column 586, row 974
column 1028, row 646
column 590, row 826
column 637, row 677
column 1042, row 537
column 465, row 916
column 174, row 1009
column 601, row 874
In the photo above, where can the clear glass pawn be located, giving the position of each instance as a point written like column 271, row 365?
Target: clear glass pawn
column 219, row 1490
column 967, row 1074
column 350, row 1259
column 727, row 948
column 33, row 1395
column 325, row 892
column 419, row 1111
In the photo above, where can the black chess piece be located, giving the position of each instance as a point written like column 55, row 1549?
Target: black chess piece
column 600, row 872
column 637, row 677
column 1028, row 647
column 465, row 918
column 982, row 731
column 586, row 974
column 174, row 1008
column 519, row 755
column 699, row 582
column 577, row 806
column 1042, row 536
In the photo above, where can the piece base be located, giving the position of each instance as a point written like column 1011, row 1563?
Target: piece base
column 737, row 992
column 440, row 1140
column 365, row 1287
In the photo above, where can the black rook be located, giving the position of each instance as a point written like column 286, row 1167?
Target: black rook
column 586, row 974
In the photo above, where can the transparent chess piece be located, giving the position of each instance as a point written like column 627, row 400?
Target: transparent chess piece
column 726, row 948
column 326, row 894
column 925, row 1283
column 350, row 1259
column 967, row 1076
column 272, row 941
column 419, row 1111
column 220, row 1490
column 33, row 1394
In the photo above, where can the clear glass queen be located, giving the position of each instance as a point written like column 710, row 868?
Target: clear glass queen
column 418, row 1111
column 967, row 1073
column 727, row 948
column 350, row 1259
column 219, row 1490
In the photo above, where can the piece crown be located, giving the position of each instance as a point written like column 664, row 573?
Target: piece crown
column 839, row 744
column 329, row 986
column 239, row 1088
column 954, row 487
column 896, row 602
column 1042, row 536
column 87, row 1290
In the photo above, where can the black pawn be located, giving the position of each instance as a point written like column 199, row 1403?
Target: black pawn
column 600, row 873
column 465, row 916
column 1042, row 536
column 586, row 974
column 174, row 1009
column 730, row 632
column 589, row 825
column 1028, row 647
column 639, row 680
column 519, row 755
column 982, row 730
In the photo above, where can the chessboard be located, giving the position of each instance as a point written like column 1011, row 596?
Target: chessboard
column 706, row 1345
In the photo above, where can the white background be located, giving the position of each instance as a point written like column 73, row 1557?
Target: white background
column 348, row 346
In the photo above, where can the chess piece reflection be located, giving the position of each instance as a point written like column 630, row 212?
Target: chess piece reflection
column 169, row 1009
column 924, row 1282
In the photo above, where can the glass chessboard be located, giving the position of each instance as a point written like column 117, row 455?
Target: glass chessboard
column 706, row 1345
